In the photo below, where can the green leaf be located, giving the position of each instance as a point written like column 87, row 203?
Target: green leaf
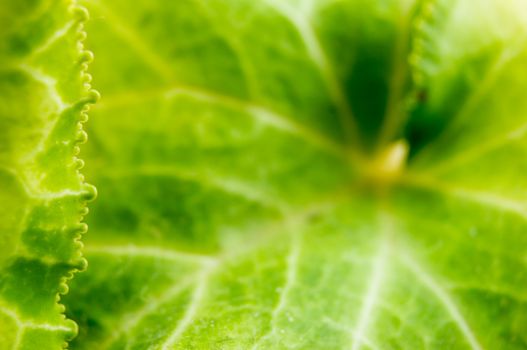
column 43, row 95
column 254, row 191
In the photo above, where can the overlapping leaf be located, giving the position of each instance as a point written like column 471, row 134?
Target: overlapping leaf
column 43, row 97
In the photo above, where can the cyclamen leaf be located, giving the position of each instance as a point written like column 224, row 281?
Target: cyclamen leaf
column 254, row 196
column 44, row 90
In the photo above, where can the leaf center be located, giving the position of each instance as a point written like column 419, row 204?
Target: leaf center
column 387, row 165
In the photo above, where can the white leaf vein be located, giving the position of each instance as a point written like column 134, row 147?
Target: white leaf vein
column 372, row 294
column 445, row 299
column 290, row 280
column 165, row 70
column 483, row 198
column 132, row 320
column 192, row 309
column 153, row 252
column 230, row 186
column 319, row 57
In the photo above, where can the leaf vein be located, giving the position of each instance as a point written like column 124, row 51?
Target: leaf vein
column 192, row 309
column 445, row 299
column 148, row 252
column 290, row 280
column 372, row 294
column 165, row 70
column 319, row 57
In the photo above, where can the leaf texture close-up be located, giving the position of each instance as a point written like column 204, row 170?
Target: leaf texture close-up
column 44, row 93
column 271, row 174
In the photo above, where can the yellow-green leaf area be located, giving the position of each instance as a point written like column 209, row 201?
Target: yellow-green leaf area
column 44, row 89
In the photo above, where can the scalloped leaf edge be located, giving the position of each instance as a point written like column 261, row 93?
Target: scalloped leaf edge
column 89, row 192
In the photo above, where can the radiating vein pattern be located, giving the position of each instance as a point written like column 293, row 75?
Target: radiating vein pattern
column 234, row 147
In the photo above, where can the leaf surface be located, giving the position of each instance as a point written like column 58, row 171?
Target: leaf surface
column 43, row 97
column 252, row 191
